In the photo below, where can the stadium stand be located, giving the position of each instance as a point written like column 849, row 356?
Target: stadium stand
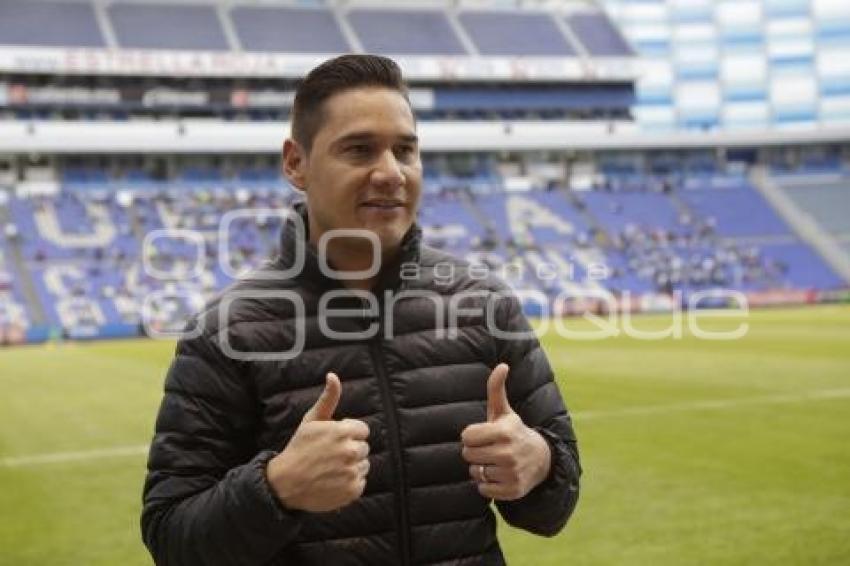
column 164, row 26
column 288, row 30
column 394, row 30
column 94, row 244
column 405, row 32
column 819, row 187
column 83, row 247
column 615, row 210
column 828, row 202
column 598, row 35
column 519, row 45
column 86, row 254
column 49, row 24
column 740, row 211
column 509, row 33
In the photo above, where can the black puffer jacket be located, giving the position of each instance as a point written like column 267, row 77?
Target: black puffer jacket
column 206, row 500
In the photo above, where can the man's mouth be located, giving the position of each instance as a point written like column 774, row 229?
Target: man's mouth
column 383, row 204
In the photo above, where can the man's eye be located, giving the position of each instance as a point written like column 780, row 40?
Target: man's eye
column 405, row 151
column 359, row 149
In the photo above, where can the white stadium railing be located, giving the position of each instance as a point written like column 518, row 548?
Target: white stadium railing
column 216, row 136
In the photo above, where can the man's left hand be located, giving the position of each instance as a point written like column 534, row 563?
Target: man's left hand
column 507, row 459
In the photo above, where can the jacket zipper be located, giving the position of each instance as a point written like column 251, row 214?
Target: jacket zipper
column 394, row 436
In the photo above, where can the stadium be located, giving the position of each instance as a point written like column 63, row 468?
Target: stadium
column 664, row 184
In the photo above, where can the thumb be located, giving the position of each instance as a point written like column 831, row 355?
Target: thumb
column 497, row 395
column 323, row 409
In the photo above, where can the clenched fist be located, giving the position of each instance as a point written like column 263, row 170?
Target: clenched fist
column 507, row 459
column 324, row 466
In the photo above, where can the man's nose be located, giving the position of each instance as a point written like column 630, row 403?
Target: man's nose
column 387, row 170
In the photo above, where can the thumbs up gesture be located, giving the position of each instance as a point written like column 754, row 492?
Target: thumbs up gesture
column 324, row 466
column 506, row 458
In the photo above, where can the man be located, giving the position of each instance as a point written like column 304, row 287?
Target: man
column 323, row 411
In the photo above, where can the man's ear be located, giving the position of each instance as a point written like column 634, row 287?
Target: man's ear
column 295, row 164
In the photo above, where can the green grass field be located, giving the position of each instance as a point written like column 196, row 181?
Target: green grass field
column 695, row 451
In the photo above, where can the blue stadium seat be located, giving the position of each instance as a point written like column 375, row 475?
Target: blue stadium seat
column 167, row 26
column 739, row 212
column 49, row 24
column 598, row 35
column 515, row 33
column 288, row 30
column 405, row 32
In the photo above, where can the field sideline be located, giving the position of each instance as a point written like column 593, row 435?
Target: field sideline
column 695, row 451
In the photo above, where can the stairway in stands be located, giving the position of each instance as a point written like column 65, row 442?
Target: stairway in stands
column 16, row 258
column 804, row 224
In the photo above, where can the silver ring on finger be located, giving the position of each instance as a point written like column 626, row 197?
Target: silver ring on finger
column 482, row 471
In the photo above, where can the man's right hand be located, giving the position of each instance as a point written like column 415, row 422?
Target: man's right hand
column 324, row 466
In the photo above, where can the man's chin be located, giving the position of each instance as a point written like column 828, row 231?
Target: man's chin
column 382, row 239
column 387, row 232
column 390, row 241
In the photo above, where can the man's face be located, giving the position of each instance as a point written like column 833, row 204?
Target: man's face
column 363, row 170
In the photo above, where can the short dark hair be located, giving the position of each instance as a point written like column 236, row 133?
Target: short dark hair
column 336, row 75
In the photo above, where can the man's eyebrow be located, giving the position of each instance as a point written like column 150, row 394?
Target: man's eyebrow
column 368, row 136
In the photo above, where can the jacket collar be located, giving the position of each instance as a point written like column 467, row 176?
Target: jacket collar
column 294, row 235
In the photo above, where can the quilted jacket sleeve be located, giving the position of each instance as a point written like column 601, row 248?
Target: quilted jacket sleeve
column 534, row 395
column 206, row 499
